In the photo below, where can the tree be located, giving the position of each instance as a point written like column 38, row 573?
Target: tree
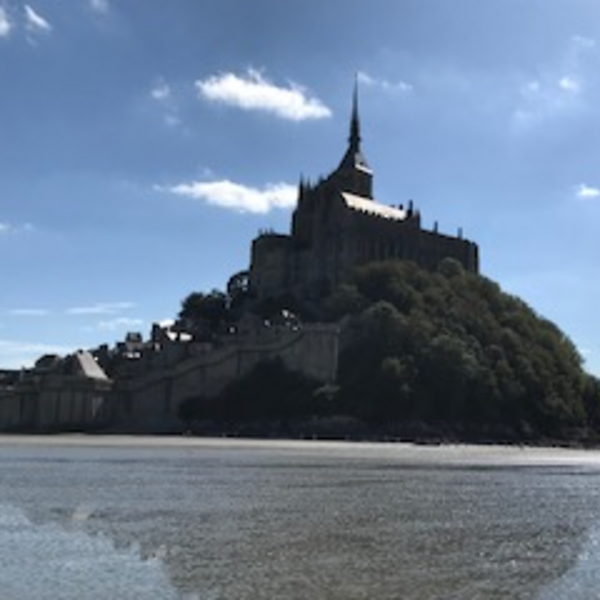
column 204, row 313
column 238, row 289
column 450, row 347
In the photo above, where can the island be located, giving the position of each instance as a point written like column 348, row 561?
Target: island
column 358, row 324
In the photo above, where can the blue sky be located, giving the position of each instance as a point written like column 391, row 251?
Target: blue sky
column 144, row 144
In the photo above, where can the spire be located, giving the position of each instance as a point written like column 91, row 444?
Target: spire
column 353, row 173
column 354, row 158
column 354, row 139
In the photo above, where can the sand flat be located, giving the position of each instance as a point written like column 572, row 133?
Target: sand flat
column 407, row 453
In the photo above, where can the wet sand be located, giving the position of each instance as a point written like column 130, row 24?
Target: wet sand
column 401, row 453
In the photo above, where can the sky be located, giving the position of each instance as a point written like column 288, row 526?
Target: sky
column 143, row 145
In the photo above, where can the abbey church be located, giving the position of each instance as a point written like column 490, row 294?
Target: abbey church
column 338, row 225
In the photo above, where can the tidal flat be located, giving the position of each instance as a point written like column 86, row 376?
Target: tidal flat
column 180, row 517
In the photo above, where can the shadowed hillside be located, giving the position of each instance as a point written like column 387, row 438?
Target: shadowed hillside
column 443, row 354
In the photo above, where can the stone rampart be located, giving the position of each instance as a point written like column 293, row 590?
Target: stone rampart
column 155, row 396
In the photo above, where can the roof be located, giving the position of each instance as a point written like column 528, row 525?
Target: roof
column 354, row 159
column 372, row 207
column 88, row 366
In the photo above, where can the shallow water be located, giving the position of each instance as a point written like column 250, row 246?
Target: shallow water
column 186, row 518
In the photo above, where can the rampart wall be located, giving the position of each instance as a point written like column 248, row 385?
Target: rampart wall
column 56, row 403
column 155, row 397
column 150, row 400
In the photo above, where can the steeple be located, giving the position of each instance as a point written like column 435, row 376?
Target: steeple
column 354, row 139
column 353, row 172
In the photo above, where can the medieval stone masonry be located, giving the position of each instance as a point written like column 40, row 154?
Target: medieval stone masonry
column 338, row 225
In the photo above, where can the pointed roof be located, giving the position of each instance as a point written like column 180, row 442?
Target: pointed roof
column 354, row 158
column 86, row 366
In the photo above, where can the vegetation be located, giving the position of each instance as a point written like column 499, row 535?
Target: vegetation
column 268, row 393
column 450, row 348
column 205, row 312
column 446, row 352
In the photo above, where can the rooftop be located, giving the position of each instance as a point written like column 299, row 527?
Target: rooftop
column 370, row 206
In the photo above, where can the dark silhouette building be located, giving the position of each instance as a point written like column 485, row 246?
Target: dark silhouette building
column 338, row 225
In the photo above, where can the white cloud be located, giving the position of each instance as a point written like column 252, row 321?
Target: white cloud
column 587, row 192
column 5, row 23
column 581, row 42
column 100, row 308
column 99, row 6
column 162, row 94
column 398, row 86
column 34, row 21
column 120, row 323
column 569, row 84
column 541, row 100
column 234, row 196
column 252, row 91
column 17, row 354
column 8, row 228
column 556, row 90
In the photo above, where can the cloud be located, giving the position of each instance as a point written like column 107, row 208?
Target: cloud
column 557, row 90
column 5, row 23
column 100, row 308
column 100, row 6
column 120, row 323
column 162, row 94
column 112, row 311
column 252, row 91
column 29, row 312
column 17, row 354
column 399, row 86
column 34, row 22
column 8, row 228
column 541, row 100
column 568, row 84
column 587, row 192
column 234, row 196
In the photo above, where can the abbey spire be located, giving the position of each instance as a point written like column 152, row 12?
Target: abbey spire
column 354, row 138
column 354, row 173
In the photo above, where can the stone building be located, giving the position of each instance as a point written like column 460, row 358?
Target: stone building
column 338, row 225
column 58, row 394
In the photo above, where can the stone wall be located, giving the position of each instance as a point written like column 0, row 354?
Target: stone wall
column 56, row 403
column 152, row 400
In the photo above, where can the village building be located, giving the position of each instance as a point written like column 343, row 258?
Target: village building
column 58, row 394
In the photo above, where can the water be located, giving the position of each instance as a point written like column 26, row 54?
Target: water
column 94, row 518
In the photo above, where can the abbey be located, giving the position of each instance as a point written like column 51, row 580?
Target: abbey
column 338, row 225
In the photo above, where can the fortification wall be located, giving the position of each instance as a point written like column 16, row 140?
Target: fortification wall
column 156, row 396
column 56, row 404
column 10, row 410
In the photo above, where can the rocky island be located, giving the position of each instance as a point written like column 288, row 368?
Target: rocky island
column 359, row 323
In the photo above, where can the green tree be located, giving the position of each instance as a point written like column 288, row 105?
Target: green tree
column 205, row 313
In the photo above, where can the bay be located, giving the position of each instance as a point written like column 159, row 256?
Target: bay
column 187, row 518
